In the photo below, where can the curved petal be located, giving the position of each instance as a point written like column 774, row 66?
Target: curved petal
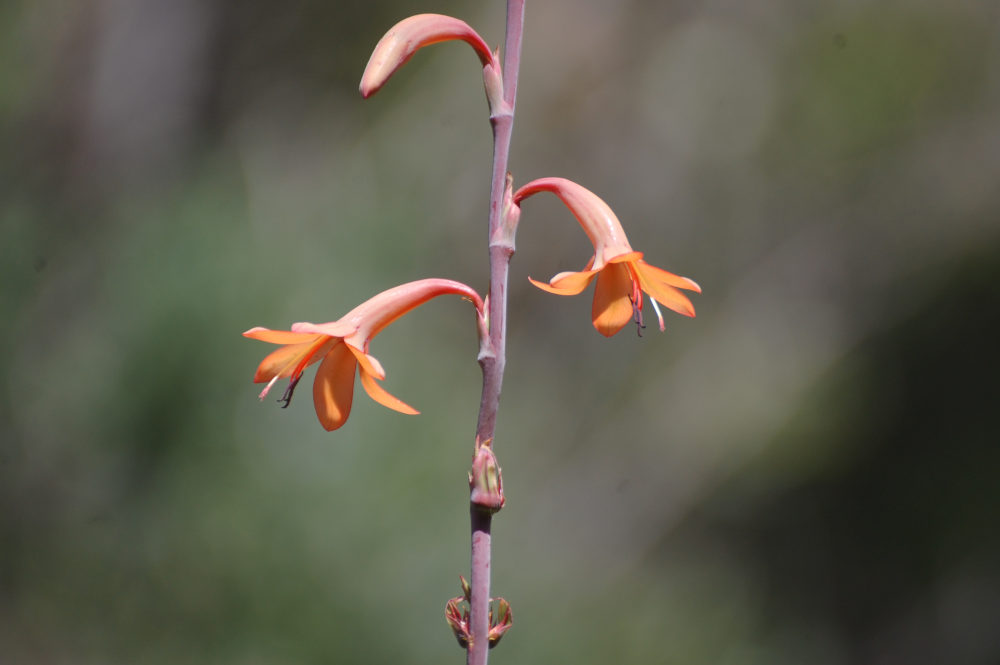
column 380, row 395
column 333, row 389
column 567, row 283
column 670, row 297
column 291, row 359
column 277, row 336
column 612, row 308
column 653, row 273
column 368, row 363
column 664, row 293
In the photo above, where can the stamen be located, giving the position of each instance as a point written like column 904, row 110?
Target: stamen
column 287, row 397
column 637, row 314
column 267, row 388
column 659, row 314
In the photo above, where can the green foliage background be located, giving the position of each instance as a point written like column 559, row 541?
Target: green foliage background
column 804, row 473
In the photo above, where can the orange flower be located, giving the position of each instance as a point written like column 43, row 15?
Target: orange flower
column 341, row 346
column 622, row 275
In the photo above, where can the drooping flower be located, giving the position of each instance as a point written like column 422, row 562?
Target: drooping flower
column 622, row 274
column 341, row 346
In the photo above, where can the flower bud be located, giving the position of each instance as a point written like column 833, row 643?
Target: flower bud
column 502, row 623
column 458, row 620
column 485, row 480
column 409, row 36
column 510, row 215
column 493, row 81
column 466, row 589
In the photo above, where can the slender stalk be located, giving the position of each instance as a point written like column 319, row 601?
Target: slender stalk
column 493, row 361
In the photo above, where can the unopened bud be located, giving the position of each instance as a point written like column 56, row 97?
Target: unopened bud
column 510, row 215
column 466, row 589
column 485, row 480
column 503, row 622
column 493, row 81
column 458, row 620
column 409, row 36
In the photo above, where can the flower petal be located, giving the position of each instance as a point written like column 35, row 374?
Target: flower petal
column 291, row 359
column 662, row 292
column 368, row 363
column 333, row 389
column 653, row 273
column 612, row 308
column 380, row 395
column 277, row 336
column 621, row 258
column 567, row 283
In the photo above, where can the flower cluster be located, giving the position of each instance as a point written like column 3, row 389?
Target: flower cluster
column 341, row 347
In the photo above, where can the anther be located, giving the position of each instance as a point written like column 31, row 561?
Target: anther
column 637, row 314
column 287, row 397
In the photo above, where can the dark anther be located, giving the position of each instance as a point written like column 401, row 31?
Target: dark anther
column 637, row 315
column 287, row 397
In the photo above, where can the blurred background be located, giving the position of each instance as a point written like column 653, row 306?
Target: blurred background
column 806, row 472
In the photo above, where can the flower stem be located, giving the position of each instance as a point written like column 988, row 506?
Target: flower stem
column 492, row 362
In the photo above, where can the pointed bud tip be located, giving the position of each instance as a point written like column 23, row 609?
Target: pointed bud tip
column 486, row 480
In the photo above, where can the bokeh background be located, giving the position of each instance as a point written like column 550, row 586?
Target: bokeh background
column 806, row 472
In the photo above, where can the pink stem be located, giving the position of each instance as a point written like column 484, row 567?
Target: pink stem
column 492, row 363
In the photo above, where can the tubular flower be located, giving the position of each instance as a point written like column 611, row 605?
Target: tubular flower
column 410, row 35
column 341, row 346
column 622, row 275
